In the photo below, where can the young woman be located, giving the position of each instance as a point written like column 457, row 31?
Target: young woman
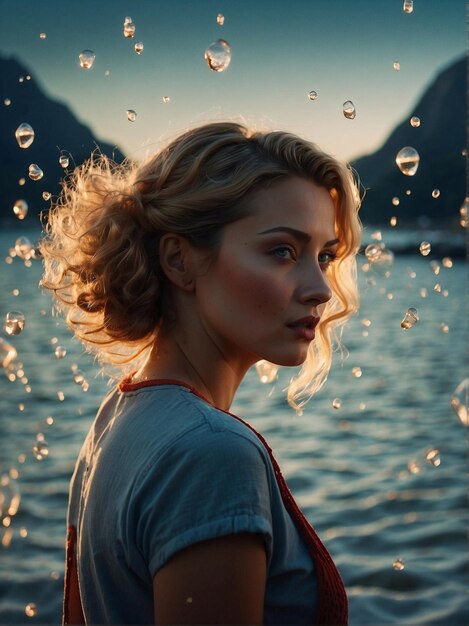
column 229, row 246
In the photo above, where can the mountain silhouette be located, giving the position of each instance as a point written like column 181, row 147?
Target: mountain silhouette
column 57, row 132
column 440, row 141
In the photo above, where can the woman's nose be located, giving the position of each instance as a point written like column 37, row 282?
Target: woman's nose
column 315, row 288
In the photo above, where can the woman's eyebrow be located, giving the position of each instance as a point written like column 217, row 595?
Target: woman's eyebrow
column 299, row 234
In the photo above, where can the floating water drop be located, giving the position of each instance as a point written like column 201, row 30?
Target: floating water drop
column 266, row 371
column 396, row 65
column 21, row 181
column 60, row 352
column 425, row 248
column 20, row 209
column 40, row 448
column 460, row 401
column 127, row 20
column 23, row 248
column 21, row 79
column 396, row 201
column 336, row 403
column 42, row 35
column 46, row 195
column 129, row 29
column 131, row 115
column 24, row 135
column 218, row 55
column 79, row 377
column 220, row 19
column 423, row 292
column 444, row 327
column 433, row 457
column 436, row 193
column 30, row 609
column 410, row 319
column 35, row 172
column 14, row 323
column 408, row 6
column 407, row 160
column 107, row 73
column 166, row 99
column 398, row 565
column 366, row 322
column 7, row 102
column 138, row 47
column 86, row 58
column 64, row 161
column 408, row 192
column 373, row 252
column 437, row 288
column 357, row 372
column 393, row 221
column 313, row 95
column 415, row 121
column 447, row 262
column 348, row 109
column 414, row 467
column 377, row 235
column 435, row 267
column 8, row 354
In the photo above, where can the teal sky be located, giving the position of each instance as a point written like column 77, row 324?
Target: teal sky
column 281, row 50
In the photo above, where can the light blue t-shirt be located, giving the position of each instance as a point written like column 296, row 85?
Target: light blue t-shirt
column 160, row 470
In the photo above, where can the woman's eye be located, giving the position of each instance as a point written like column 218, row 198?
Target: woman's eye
column 326, row 258
column 284, row 252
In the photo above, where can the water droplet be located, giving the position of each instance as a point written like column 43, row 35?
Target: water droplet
column 61, row 396
column 396, row 201
column 444, row 328
column 28, row 77
column 408, row 192
column 407, row 160
column 366, row 322
column 437, row 288
column 435, row 267
column 313, row 95
column 377, row 235
column 46, row 195
column 60, row 352
column 21, row 181
column 433, row 457
column 30, row 609
column 218, row 55
column 436, row 193
column 396, row 65
column 86, row 58
column 21, row 79
column 166, row 99
column 357, row 372
column 447, row 262
column 127, row 20
column 24, row 135
column 129, row 29
column 7, row 102
column 64, row 161
column 373, row 252
column 398, row 565
column 107, row 73
column 20, row 209
column 408, row 6
column 35, row 172
column 14, row 323
column 266, row 371
column 131, row 115
column 42, row 35
column 423, row 292
column 220, row 19
column 393, row 221
column 414, row 467
column 425, row 248
column 336, row 403
column 40, row 448
column 348, row 109
column 79, row 377
column 415, row 121
column 138, row 47
column 460, row 401
column 410, row 319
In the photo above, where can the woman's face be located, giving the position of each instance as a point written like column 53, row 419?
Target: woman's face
column 263, row 294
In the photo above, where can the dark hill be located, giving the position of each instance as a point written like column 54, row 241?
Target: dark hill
column 440, row 140
column 57, row 132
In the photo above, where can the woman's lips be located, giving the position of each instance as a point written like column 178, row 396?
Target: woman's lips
column 305, row 327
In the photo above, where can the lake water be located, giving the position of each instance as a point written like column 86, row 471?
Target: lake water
column 360, row 471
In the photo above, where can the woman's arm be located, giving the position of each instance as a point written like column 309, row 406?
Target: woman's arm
column 220, row 581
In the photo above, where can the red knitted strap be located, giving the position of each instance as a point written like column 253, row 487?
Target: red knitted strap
column 70, row 547
column 332, row 604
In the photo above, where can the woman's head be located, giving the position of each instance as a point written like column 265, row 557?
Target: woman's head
column 101, row 252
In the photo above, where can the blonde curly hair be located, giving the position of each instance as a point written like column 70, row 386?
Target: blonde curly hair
column 100, row 248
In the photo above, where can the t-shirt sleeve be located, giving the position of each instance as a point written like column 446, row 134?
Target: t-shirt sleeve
column 209, row 484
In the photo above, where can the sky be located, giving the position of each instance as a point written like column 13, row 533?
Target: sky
column 281, row 50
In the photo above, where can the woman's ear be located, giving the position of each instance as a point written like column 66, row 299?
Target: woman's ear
column 175, row 255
